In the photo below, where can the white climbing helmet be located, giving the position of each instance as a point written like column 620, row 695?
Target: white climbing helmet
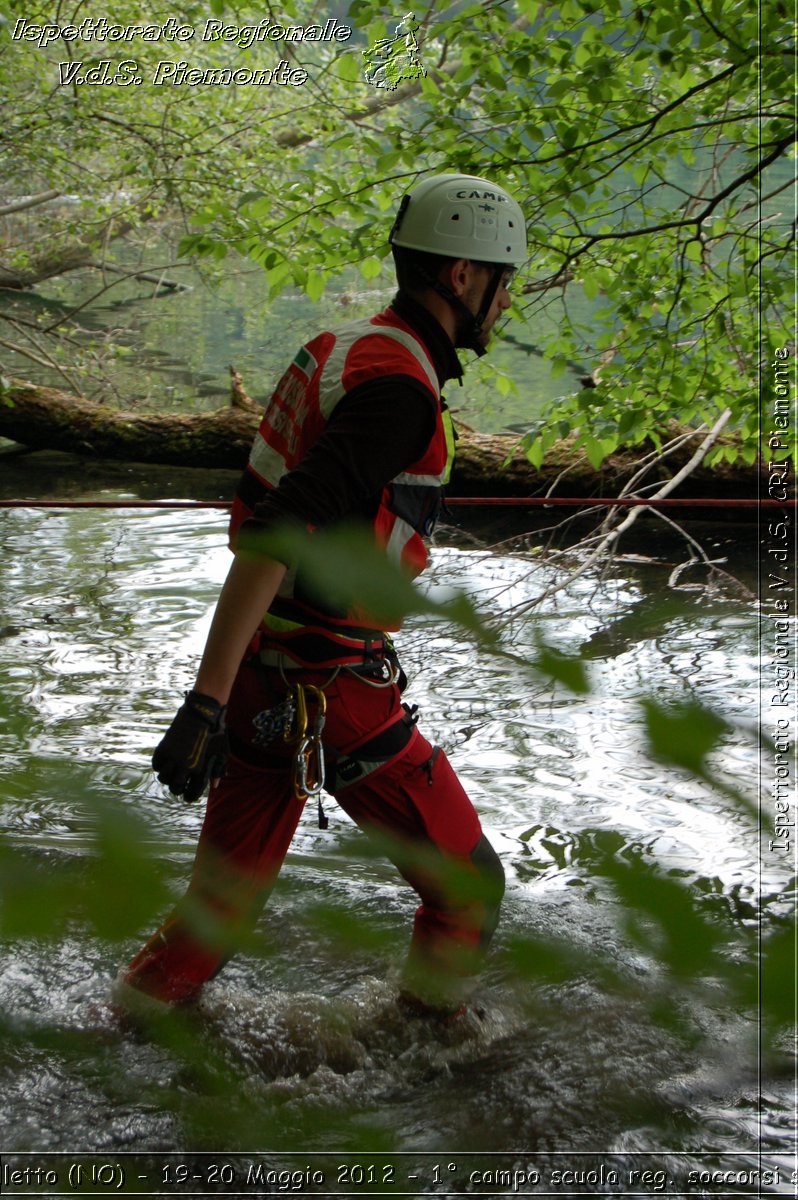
column 462, row 216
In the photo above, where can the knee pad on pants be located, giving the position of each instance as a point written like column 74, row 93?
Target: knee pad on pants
column 491, row 872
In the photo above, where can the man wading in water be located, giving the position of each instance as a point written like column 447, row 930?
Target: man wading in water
column 356, row 430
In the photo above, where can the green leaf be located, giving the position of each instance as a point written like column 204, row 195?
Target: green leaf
column 694, row 251
column 315, row 284
column 535, row 452
column 566, row 669
column 350, row 67
column 350, row 570
column 504, row 385
column 590, row 286
column 370, row 268
column 278, row 274
column 662, row 917
column 597, row 449
column 777, row 976
column 683, row 734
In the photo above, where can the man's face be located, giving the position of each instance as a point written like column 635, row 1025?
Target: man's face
column 475, row 290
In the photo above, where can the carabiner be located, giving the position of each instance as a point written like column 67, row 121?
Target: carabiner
column 309, row 769
column 321, row 706
column 309, row 772
column 297, row 729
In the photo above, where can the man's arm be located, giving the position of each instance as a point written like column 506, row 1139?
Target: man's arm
column 194, row 749
column 249, row 589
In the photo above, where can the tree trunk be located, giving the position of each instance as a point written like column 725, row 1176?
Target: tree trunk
column 487, row 464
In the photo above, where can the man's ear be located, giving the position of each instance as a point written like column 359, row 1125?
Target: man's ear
column 456, row 275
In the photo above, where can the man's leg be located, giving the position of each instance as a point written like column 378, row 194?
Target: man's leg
column 250, row 819
column 414, row 807
column 249, row 824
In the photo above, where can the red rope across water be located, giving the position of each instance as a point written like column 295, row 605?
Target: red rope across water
column 516, row 501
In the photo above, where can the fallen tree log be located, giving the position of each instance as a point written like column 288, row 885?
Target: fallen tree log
column 41, row 418
column 46, row 264
column 56, row 255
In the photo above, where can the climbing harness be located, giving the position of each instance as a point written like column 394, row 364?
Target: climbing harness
column 362, row 760
column 291, row 644
column 316, row 767
column 290, row 722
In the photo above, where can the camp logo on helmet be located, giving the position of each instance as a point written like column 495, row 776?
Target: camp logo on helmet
column 464, row 194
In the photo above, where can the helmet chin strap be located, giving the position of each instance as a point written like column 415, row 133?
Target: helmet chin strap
column 476, row 322
column 469, row 325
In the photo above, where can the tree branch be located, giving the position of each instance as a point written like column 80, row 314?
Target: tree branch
column 24, row 202
column 609, row 539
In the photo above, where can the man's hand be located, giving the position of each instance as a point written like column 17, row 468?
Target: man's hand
column 194, row 749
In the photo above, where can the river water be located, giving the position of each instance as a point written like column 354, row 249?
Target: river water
column 607, row 1056
column 172, row 351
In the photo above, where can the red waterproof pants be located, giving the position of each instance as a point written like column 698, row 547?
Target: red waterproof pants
column 412, row 806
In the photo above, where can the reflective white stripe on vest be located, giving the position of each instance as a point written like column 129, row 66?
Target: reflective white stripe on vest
column 401, row 534
column 267, row 462
column 331, row 387
column 413, row 346
column 408, row 480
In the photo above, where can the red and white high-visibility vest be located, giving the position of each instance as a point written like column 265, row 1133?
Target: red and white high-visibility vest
column 322, row 373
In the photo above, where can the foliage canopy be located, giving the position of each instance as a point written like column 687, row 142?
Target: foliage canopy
column 649, row 146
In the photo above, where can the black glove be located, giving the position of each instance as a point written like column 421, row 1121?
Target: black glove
column 194, row 748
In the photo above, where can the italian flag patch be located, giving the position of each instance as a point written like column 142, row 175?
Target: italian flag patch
column 306, row 363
